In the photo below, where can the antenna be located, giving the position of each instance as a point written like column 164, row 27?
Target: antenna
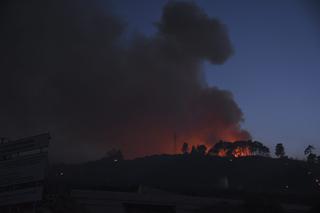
column 174, row 143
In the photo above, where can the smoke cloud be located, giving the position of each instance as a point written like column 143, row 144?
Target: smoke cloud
column 66, row 69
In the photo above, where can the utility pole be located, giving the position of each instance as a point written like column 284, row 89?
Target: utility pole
column 174, row 143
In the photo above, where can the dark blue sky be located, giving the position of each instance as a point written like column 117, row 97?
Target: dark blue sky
column 274, row 73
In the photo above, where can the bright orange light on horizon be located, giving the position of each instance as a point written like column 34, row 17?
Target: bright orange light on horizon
column 228, row 136
column 242, row 152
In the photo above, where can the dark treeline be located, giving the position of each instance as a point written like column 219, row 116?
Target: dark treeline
column 244, row 149
column 229, row 149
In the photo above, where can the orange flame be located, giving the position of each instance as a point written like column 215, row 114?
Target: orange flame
column 241, row 152
column 222, row 153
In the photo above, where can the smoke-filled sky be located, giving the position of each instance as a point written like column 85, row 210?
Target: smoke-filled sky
column 274, row 71
column 132, row 74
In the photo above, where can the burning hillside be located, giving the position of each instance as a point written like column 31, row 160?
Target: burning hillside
column 239, row 149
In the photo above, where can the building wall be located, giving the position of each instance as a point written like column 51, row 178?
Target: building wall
column 115, row 202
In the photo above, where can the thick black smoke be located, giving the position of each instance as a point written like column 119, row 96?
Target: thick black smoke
column 65, row 69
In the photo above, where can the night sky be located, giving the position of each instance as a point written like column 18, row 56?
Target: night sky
column 274, row 72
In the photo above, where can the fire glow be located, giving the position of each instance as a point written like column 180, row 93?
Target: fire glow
column 239, row 149
column 242, row 152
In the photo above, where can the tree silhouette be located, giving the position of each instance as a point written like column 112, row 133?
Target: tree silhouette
column 309, row 150
column 185, row 148
column 280, row 150
column 259, row 149
column 193, row 150
column 201, row 149
column 221, row 147
column 311, row 158
column 239, row 149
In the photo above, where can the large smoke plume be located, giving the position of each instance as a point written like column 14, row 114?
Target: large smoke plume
column 65, row 69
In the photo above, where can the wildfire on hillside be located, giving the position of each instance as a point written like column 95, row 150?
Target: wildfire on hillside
column 239, row 149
